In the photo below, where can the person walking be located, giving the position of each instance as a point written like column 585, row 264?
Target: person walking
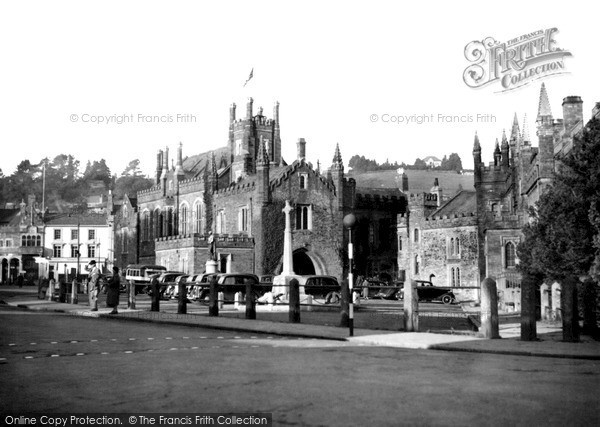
column 94, row 285
column 112, row 294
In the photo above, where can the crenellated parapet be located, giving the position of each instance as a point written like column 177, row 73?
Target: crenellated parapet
column 379, row 202
column 201, row 241
column 291, row 169
column 236, row 188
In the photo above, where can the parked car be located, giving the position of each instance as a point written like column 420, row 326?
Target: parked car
column 173, row 290
column 326, row 287
column 164, row 280
column 231, row 283
column 201, row 286
column 428, row 292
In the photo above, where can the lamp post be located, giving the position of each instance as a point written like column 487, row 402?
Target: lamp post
column 349, row 223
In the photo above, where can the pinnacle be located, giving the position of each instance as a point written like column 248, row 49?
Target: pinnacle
column 476, row 145
column 337, row 157
column 504, row 140
column 525, row 135
column 515, row 131
column 544, row 105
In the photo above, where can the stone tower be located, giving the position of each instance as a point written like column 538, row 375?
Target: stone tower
column 245, row 136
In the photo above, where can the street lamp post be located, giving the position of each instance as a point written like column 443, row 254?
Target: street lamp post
column 349, row 223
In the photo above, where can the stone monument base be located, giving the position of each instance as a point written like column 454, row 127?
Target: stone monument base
column 211, row 266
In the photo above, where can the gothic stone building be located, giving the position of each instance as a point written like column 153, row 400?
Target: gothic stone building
column 475, row 235
column 21, row 242
column 237, row 193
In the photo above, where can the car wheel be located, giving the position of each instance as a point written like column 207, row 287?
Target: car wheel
column 447, row 299
column 400, row 295
column 332, row 298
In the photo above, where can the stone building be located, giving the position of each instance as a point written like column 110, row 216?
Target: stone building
column 21, row 242
column 477, row 233
column 124, row 216
column 237, row 193
column 437, row 240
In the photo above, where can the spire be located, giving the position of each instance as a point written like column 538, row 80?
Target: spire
column 318, row 166
column 497, row 147
column 525, row 135
column 515, row 131
column 504, row 140
column 544, row 105
column 476, row 145
column 337, row 159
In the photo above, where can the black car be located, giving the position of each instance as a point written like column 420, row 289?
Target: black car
column 427, row 292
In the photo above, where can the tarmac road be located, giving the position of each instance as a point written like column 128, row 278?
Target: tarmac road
column 60, row 363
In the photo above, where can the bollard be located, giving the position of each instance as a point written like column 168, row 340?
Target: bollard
column 131, row 300
column 411, row 307
column 155, row 288
column 570, row 314
column 74, row 298
column 237, row 297
column 213, row 298
column 250, row 302
column 528, row 321
column 182, row 298
column 294, row 314
column 309, row 303
column 489, row 309
column 221, row 300
column 356, row 298
column 345, row 305
column 50, row 290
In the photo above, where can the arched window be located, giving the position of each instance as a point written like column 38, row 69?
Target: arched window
column 198, row 218
column 417, row 262
column 416, row 234
column 452, row 246
column 509, row 255
column 146, row 226
column 452, row 274
column 23, row 240
column 457, row 248
column 183, row 221
column 38, row 240
column 457, row 276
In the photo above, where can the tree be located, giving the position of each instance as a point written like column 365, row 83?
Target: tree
column 562, row 238
column 454, row 163
column 130, row 185
column 132, row 169
column 420, row 164
column 97, row 171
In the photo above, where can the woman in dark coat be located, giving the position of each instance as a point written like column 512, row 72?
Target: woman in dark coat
column 112, row 294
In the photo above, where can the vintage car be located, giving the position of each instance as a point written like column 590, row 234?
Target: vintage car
column 326, row 287
column 429, row 293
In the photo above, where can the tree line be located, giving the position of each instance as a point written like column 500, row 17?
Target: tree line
column 362, row 164
column 66, row 183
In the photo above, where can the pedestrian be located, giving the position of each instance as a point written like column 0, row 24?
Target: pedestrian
column 94, row 285
column 112, row 295
column 20, row 280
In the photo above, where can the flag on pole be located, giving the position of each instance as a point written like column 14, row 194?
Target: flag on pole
column 249, row 77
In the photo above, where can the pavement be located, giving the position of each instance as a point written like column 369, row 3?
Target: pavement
column 549, row 343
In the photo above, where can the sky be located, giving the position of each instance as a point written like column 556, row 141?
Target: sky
column 352, row 73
